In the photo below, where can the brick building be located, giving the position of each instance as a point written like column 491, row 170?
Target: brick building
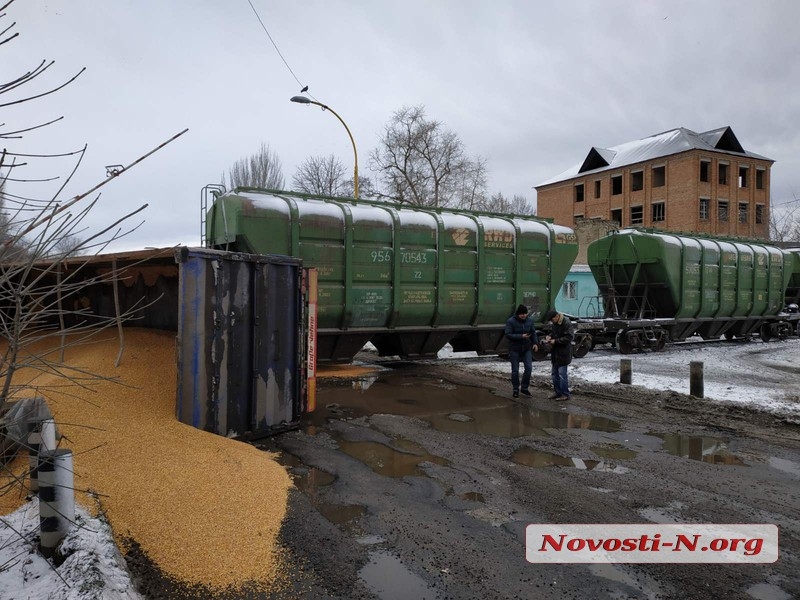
column 677, row 180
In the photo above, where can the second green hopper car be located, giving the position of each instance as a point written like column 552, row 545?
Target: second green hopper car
column 660, row 287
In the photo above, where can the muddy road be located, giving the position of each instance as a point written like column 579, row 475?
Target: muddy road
column 419, row 482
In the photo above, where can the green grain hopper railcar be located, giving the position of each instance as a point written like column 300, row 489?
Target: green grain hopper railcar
column 793, row 289
column 660, row 287
column 409, row 280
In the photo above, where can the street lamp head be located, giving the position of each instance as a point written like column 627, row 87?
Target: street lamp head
column 304, row 100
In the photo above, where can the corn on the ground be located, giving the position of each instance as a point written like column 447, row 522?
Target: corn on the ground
column 206, row 509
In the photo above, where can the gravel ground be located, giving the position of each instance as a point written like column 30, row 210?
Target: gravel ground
column 418, row 482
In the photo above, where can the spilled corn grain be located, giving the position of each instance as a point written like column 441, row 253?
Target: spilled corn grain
column 13, row 491
column 207, row 510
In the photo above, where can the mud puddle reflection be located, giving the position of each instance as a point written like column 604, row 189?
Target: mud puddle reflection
column 387, row 577
column 402, row 459
column 707, row 449
column 310, row 480
column 447, row 407
column 537, row 458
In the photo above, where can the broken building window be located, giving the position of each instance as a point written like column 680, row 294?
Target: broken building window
column 659, row 176
column 759, row 179
column 658, row 212
column 637, row 181
column 723, row 174
column 616, row 185
column 705, row 168
column 722, row 210
column 704, row 208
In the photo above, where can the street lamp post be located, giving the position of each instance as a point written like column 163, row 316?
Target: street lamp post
column 304, row 100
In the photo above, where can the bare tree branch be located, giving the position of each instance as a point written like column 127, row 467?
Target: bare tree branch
column 420, row 162
column 261, row 170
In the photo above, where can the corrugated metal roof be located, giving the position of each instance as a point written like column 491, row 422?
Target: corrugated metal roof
column 656, row 146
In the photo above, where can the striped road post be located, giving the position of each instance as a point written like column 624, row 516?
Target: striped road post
column 56, row 498
column 41, row 437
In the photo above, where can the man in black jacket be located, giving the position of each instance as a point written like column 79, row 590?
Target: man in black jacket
column 560, row 337
column 522, row 340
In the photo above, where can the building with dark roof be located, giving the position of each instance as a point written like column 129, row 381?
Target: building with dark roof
column 677, row 180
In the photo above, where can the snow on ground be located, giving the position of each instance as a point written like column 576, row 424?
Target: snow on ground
column 93, row 568
column 762, row 376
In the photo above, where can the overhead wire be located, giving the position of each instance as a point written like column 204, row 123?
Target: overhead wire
column 304, row 88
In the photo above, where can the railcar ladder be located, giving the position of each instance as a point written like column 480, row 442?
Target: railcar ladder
column 212, row 189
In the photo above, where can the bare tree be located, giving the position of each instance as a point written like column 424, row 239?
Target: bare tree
column 38, row 235
column 323, row 175
column 471, row 185
column 518, row 205
column 366, row 189
column 420, row 162
column 261, row 170
column 784, row 221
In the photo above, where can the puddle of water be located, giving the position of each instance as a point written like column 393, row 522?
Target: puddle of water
column 536, row 458
column 388, row 461
column 710, row 450
column 473, row 497
column 389, row 579
column 363, row 384
column 614, row 452
column 448, row 407
column 340, row 514
column 515, row 420
column 309, row 480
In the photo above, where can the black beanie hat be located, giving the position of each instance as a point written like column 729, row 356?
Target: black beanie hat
column 521, row 310
column 549, row 315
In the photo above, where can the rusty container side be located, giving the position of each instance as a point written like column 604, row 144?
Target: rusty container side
column 239, row 352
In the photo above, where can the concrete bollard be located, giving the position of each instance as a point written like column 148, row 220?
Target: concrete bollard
column 696, row 379
column 56, row 498
column 41, row 438
column 625, row 371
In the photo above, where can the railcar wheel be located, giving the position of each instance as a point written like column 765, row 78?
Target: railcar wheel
column 623, row 345
column 729, row 335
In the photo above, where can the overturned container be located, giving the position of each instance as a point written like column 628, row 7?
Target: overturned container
column 241, row 347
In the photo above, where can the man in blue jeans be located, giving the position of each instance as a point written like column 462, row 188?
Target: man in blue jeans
column 522, row 340
column 560, row 337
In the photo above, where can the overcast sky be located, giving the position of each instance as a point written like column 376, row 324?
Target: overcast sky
column 530, row 86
